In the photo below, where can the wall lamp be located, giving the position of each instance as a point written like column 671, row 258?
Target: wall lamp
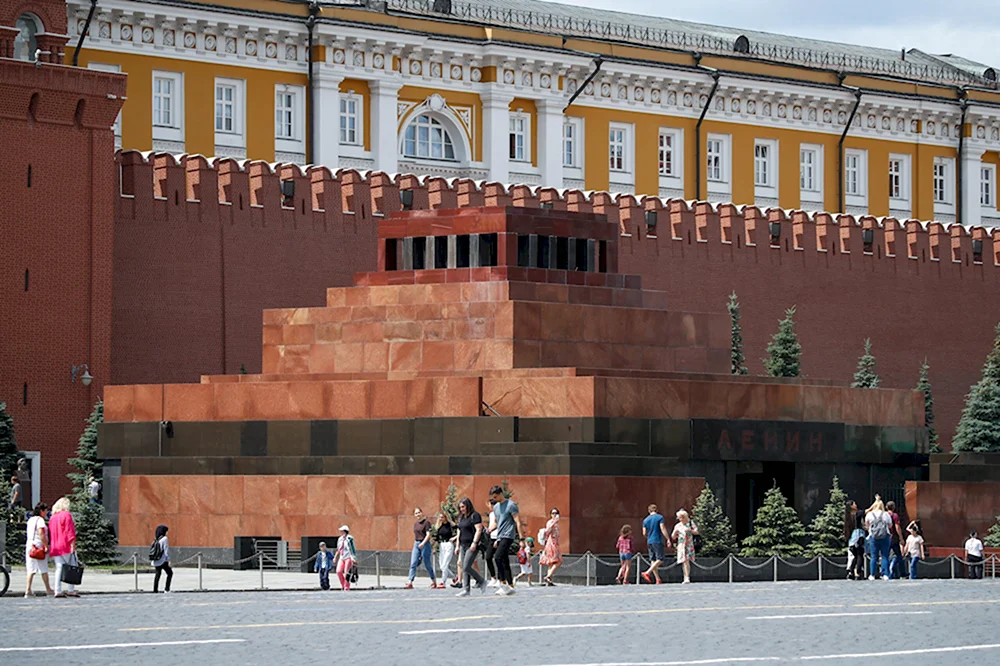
column 868, row 237
column 977, row 249
column 774, row 228
column 406, row 199
column 83, row 372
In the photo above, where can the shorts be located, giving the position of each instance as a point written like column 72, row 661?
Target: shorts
column 526, row 568
column 36, row 566
column 625, row 557
column 655, row 552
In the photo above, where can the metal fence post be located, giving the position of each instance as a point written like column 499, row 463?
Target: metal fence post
column 200, row 587
column 819, row 565
column 135, row 569
column 952, row 558
column 260, row 559
column 586, row 563
column 638, row 568
column 731, row 558
column 378, row 570
column 775, row 558
column 993, row 569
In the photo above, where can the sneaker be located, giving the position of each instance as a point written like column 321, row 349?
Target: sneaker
column 645, row 577
column 510, row 591
column 500, row 592
column 463, row 593
column 456, row 585
column 871, row 577
column 434, row 584
column 885, row 578
column 482, row 587
column 408, row 586
column 495, row 582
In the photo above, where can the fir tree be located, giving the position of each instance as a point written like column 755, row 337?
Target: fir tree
column 505, row 485
column 979, row 427
column 865, row 376
column 16, row 524
column 991, row 370
column 827, row 528
column 784, row 349
column 96, row 540
column 449, row 507
column 777, row 530
column 924, row 386
column 992, row 539
column 8, row 444
column 738, row 360
column 717, row 538
column 243, row 369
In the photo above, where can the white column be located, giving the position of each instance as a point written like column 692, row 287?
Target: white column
column 385, row 125
column 971, row 163
column 326, row 118
column 496, row 134
column 550, row 134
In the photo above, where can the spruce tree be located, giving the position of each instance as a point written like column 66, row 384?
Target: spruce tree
column 991, row 370
column 777, row 530
column 449, row 507
column 827, row 528
column 8, row 466
column 8, row 444
column 924, row 386
column 717, row 538
column 738, row 360
column 992, row 538
column 865, row 376
column 979, row 427
column 96, row 542
column 784, row 349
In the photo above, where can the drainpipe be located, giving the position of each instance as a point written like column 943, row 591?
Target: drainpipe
column 310, row 26
column 83, row 33
column 598, row 62
column 963, row 100
column 697, row 127
column 840, row 144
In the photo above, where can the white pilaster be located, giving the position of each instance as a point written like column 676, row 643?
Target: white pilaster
column 550, row 133
column 384, row 125
column 970, row 163
column 326, row 118
column 496, row 134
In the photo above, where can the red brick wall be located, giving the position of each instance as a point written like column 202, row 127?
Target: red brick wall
column 59, row 229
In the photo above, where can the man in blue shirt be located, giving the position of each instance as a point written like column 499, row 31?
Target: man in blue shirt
column 655, row 532
column 508, row 528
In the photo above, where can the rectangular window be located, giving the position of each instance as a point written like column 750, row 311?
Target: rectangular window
column 762, row 155
column 284, row 115
column 852, row 174
column 895, row 179
column 569, row 144
column 940, row 182
column 520, row 132
column 617, row 147
column 225, row 108
column 807, row 169
column 716, row 160
column 987, row 186
column 666, row 153
column 350, row 120
column 164, row 101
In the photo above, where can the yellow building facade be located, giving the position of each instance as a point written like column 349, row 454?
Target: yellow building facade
column 560, row 96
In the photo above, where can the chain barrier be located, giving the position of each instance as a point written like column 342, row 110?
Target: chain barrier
column 721, row 564
column 796, row 566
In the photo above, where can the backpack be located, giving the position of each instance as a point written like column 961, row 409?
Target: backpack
column 155, row 550
column 522, row 557
column 879, row 529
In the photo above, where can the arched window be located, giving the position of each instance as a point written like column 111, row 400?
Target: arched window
column 25, row 44
column 427, row 138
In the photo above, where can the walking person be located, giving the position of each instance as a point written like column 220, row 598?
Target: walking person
column 446, row 538
column 974, row 555
column 896, row 539
column 508, row 529
column 94, row 491
column 62, row 544
column 470, row 534
column 854, row 527
column 626, row 551
column 159, row 556
column 490, row 544
column 423, row 551
column 683, row 534
column 551, row 554
column 15, row 494
column 914, row 548
column 524, row 561
column 655, row 531
column 347, row 555
column 36, row 549
column 879, row 524
column 323, row 565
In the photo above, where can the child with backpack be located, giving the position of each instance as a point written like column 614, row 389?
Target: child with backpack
column 625, row 553
column 159, row 557
column 324, row 565
column 524, row 559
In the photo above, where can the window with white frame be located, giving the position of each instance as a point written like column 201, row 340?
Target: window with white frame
column 763, row 164
column 168, row 110
column 988, row 186
column 618, row 148
column 811, row 173
column 427, row 138
column 716, row 158
column 289, row 123
column 230, row 105
column 941, row 185
column 284, row 114
column 670, row 160
column 895, row 178
column 225, row 107
column 520, row 137
column 667, row 152
column 899, row 183
column 718, row 164
column 351, row 132
column 571, row 144
column 856, row 177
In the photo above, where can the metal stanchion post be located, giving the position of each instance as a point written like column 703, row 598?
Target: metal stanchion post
column 638, row 568
column 260, row 559
column 586, row 562
column 200, row 587
column 819, row 565
column 731, row 558
column 135, row 569
column 952, row 558
column 378, row 570
column 775, row 568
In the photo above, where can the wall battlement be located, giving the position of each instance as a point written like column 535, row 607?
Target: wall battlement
column 192, row 188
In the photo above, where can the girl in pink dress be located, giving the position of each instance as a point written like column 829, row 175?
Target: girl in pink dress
column 551, row 555
column 625, row 550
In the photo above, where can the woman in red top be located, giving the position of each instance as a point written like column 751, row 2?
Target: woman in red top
column 62, row 533
column 625, row 550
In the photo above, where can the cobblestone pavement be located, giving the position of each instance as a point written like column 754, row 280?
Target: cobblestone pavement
column 939, row 622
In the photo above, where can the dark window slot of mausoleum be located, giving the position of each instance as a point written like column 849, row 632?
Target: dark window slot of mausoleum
column 562, row 254
column 487, row 249
column 391, row 260
column 581, row 254
column 543, row 252
column 523, row 250
column 419, row 253
column 602, row 256
column 462, row 254
column 440, row 252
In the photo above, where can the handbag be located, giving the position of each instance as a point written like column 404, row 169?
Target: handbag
column 37, row 552
column 72, row 574
column 353, row 574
